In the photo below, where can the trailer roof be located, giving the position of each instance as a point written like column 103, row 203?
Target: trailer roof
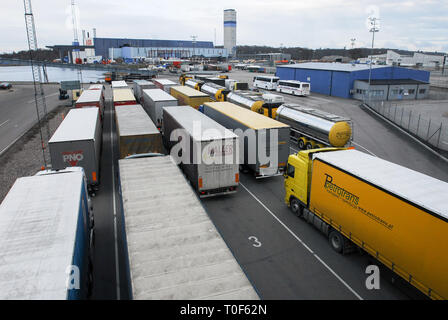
column 132, row 120
column 89, row 96
column 190, row 92
column 38, row 220
column 165, row 82
column 142, row 82
column 174, row 249
column 79, row 124
column 119, row 84
column 245, row 116
column 192, row 120
column 123, row 95
column 415, row 187
column 158, row 95
column 96, row 87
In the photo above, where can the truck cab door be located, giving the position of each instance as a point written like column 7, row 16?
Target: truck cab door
column 296, row 180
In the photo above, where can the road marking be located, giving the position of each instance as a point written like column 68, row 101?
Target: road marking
column 117, row 268
column 50, row 95
column 364, row 148
column 4, row 122
column 303, row 243
column 256, row 244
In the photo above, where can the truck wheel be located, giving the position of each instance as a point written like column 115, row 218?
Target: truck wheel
column 309, row 146
column 301, row 144
column 296, row 207
column 336, row 241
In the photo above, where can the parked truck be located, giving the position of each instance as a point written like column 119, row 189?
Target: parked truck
column 174, row 251
column 265, row 104
column 188, row 96
column 123, row 97
column 209, row 153
column 215, row 91
column 256, row 132
column 46, row 228
column 91, row 98
column 397, row 215
column 312, row 128
column 154, row 101
column 164, row 84
column 119, row 84
column 139, row 86
column 194, row 83
column 136, row 132
column 77, row 143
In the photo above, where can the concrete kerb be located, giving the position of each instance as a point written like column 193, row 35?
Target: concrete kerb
column 405, row 132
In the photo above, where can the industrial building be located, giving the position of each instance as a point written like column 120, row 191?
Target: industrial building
column 340, row 79
column 132, row 54
column 418, row 59
column 230, row 31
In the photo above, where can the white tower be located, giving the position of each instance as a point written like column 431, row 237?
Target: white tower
column 230, row 31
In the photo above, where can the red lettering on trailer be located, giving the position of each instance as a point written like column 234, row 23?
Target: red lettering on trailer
column 73, row 157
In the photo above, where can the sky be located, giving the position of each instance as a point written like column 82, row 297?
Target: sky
column 409, row 25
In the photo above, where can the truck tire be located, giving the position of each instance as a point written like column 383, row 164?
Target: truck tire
column 309, row 146
column 301, row 144
column 336, row 241
column 295, row 206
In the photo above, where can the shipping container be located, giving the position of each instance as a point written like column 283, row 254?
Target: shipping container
column 154, row 101
column 257, row 131
column 119, row 85
column 188, row 96
column 397, row 215
column 91, row 98
column 77, row 143
column 164, row 84
column 46, row 227
column 136, row 132
column 139, row 86
column 123, row 97
column 209, row 153
column 173, row 249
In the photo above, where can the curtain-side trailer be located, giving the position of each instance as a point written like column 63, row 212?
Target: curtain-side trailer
column 188, row 96
column 397, row 215
column 209, row 151
column 136, row 132
column 173, row 249
column 255, row 134
column 123, row 97
column 77, row 143
column 46, row 226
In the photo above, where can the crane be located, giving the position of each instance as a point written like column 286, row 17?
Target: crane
column 39, row 94
column 76, row 40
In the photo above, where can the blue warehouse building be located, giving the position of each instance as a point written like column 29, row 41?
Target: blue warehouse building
column 342, row 79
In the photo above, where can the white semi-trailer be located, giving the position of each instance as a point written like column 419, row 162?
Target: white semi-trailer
column 174, row 250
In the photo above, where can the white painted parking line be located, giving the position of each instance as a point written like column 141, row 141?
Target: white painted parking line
column 357, row 144
column 304, row 244
column 4, row 122
column 50, row 95
column 117, row 268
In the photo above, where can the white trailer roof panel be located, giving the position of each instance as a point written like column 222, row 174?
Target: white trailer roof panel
column 416, row 187
column 89, row 96
column 96, row 87
column 199, row 126
column 120, row 95
column 174, row 249
column 119, row 84
column 38, row 220
column 132, row 120
column 79, row 124
column 143, row 82
column 165, row 82
column 158, row 95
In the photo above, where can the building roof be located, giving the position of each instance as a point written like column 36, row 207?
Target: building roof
column 344, row 67
column 393, row 81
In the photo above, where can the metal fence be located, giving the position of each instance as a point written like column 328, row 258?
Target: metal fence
column 430, row 130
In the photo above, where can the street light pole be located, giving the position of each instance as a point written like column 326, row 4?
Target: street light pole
column 373, row 29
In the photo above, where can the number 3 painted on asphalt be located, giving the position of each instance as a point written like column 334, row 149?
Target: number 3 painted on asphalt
column 256, row 244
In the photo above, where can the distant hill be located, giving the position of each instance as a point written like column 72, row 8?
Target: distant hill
column 39, row 55
column 299, row 53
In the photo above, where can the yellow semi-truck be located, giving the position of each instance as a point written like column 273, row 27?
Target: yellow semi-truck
column 397, row 215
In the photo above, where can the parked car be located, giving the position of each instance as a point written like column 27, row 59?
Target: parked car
column 5, row 85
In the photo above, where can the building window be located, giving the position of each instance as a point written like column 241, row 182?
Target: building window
column 395, row 91
column 421, row 91
column 411, row 91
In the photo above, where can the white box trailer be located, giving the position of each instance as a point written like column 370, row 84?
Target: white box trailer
column 139, row 86
column 91, row 98
column 136, row 132
column 174, row 250
column 209, row 153
column 153, row 102
column 77, row 143
column 45, row 231
column 119, row 84
column 164, row 84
